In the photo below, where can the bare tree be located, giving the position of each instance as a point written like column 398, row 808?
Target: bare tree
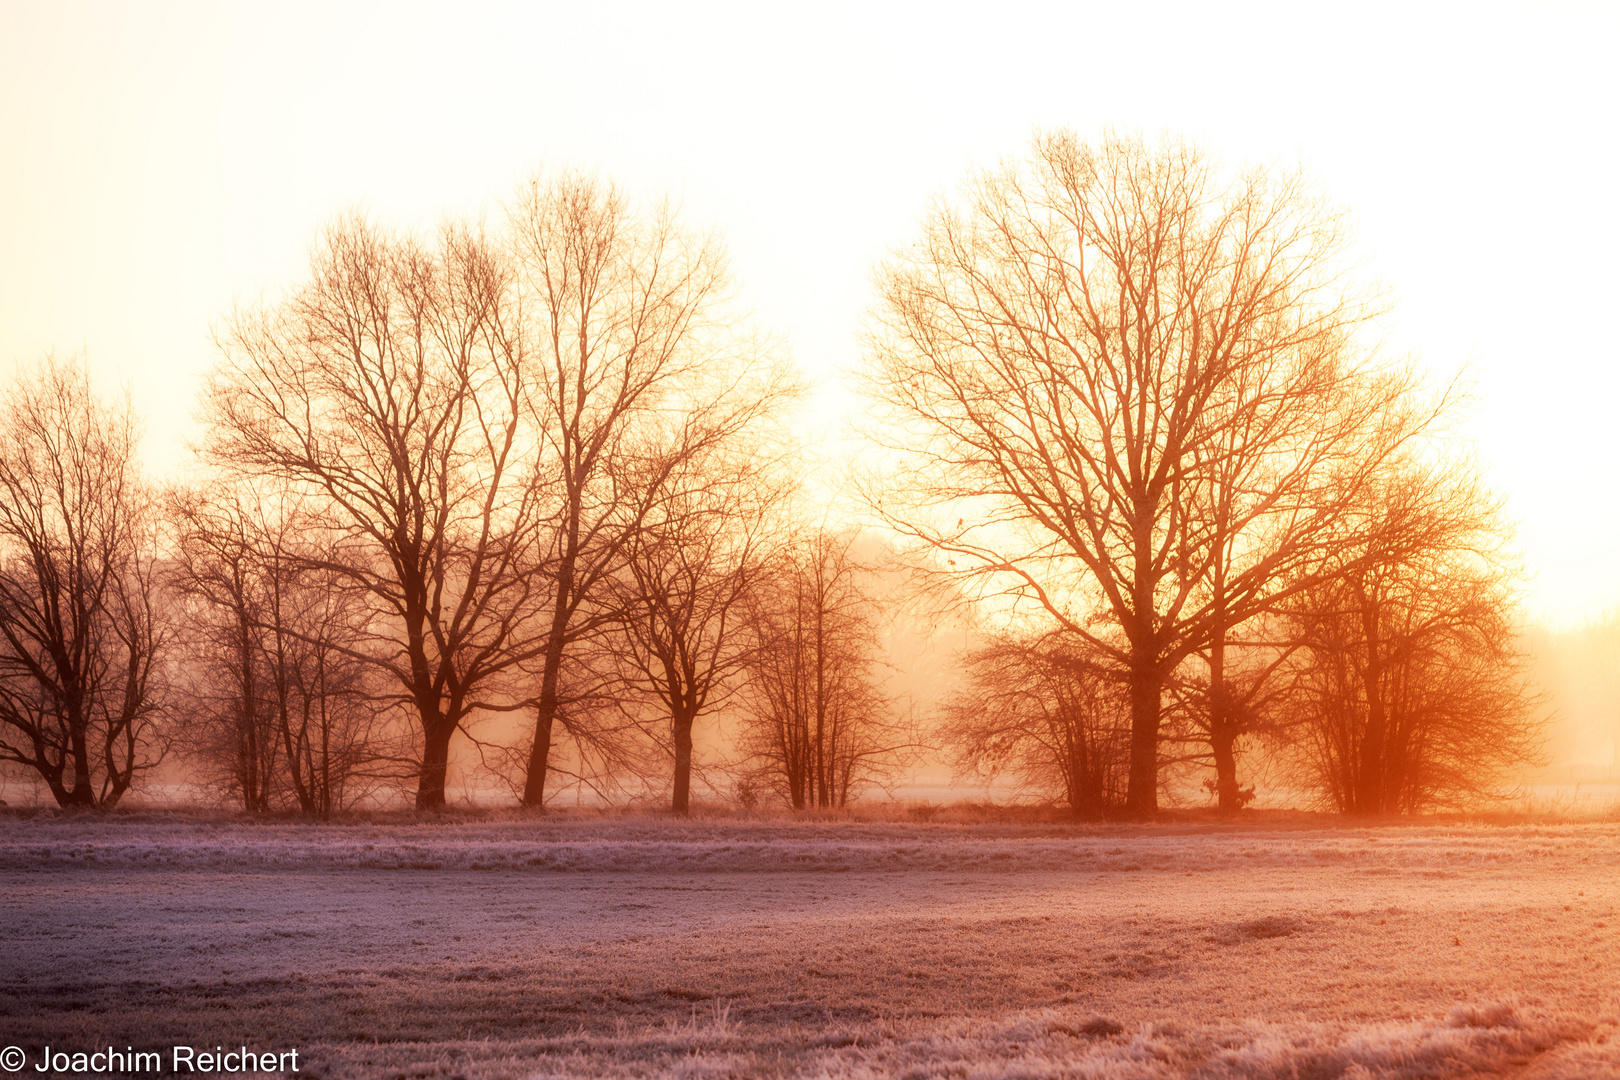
column 280, row 702
column 817, row 723
column 1049, row 712
column 82, row 637
column 1090, row 350
column 1414, row 693
column 228, row 728
column 341, row 740
column 389, row 392
column 637, row 372
column 685, row 642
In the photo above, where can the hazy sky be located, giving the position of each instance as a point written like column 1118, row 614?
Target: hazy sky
column 162, row 162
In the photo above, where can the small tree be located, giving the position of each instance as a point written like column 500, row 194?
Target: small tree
column 1413, row 691
column 1049, row 712
column 684, row 643
column 229, row 728
column 341, row 739
column 1236, row 692
column 282, row 708
column 82, row 637
column 816, row 722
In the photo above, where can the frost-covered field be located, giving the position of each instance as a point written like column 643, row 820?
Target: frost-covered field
column 651, row 947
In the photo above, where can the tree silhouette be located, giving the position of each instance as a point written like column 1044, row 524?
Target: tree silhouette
column 82, row 637
column 1135, row 390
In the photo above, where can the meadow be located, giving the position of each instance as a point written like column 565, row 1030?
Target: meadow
column 601, row 945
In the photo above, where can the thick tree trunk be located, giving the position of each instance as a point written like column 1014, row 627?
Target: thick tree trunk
column 534, row 787
column 682, row 802
column 798, row 767
column 435, row 765
column 82, row 794
column 1141, row 630
column 1142, row 792
column 545, row 718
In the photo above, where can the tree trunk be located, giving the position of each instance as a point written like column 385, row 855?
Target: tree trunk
column 325, row 803
column 1369, row 789
column 82, row 794
column 1142, row 792
column 545, row 714
column 248, row 717
column 534, row 787
column 797, row 758
column 1222, row 742
column 435, row 764
column 1085, row 800
column 53, row 779
column 818, row 749
column 683, row 765
column 1222, row 731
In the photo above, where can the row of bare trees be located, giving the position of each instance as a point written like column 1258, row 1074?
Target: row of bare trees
column 1128, row 415
column 1135, row 417
column 548, row 469
column 537, row 472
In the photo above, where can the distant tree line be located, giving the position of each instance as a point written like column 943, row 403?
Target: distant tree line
column 539, row 472
column 544, row 472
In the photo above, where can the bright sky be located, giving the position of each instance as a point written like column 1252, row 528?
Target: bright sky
column 161, row 162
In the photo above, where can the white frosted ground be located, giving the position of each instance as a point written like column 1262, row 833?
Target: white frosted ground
column 647, row 947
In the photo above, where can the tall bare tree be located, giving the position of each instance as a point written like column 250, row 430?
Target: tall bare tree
column 637, row 371
column 1085, row 352
column 82, row 633
column 389, row 392
column 684, row 641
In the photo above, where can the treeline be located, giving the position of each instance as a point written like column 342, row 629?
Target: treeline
column 545, row 471
column 540, row 472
